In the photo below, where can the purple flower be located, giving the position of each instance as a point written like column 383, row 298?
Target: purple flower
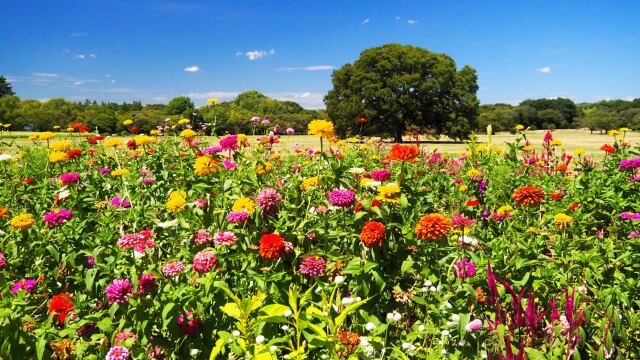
column 57, row 217
column 25, row 285
column 104, row 170
column 70, row 178
column 91, row 261
column 630, row 216
column 474, row 325
column 3, row 262
column 117, row 202
column 342, row 198
column 630, row 164
column 381, row 175
column 229, row 142
column 229, row 165
column 290, row 131
column 465, row 269
column 200, row 203
column 277, row 128
column 255, row 119
column 633, row 235
column 147, row 283
column 211, row 150
column 268, row 200
column 312, row 266
column 118, row 353
column 265, row 122
column 237, row 217
column 118, row 291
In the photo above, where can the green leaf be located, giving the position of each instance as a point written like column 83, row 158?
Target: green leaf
column 348, row 310
column 274, row 309
column 534, row 354
column 232, row 310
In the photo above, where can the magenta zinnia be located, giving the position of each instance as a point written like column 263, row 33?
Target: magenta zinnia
column 119, row 290
column 465, row 269
column 204, row 261
column 69, row 178
column 312, row 266
column 268, row 200
column 224, row 238
column 57, row 217
column 342, row 198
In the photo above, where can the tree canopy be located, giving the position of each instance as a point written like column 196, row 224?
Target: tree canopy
column 401, row 87
column 5, row 87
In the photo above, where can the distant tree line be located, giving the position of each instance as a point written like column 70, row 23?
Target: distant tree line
column 562, row 113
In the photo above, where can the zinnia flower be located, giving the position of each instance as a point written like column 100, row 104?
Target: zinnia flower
column 189, row 324
column 69, row 178
column 630, row 164
column 268, row 200
column 342, row 198
column 3, row 262
column 206, row 165
column 22, row 222
column 56, row 217
column 25, row 285
column 562, row 220
column 312, row 266
column 119, row 290
column 118, row 202
column 229, row 142
column 465, row 269
column 204, row 261
column 202, row 237
column 608, row 149
column 61, row 305
column 432, row 226
column 224, row 238
column 237, row 217
column 244, row 204
column 389, row 193
column 630, row 216
column 118, row 353
column 528, row 196
column 381, row 175
column 177, row 201
column 173, row 268
column 272, row 246
column 462, row 221
column 147, row 283
column 321, row 128
column 407, row 153
column 373, row 234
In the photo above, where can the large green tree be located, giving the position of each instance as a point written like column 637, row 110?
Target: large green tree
column 180, row 105
column 5, row 87
column 400, row 87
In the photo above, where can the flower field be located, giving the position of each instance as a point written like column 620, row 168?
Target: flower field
column 170, row 246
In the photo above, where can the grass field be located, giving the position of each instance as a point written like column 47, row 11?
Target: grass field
column 571, row 140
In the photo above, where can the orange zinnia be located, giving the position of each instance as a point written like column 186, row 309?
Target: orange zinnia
column 407, row 153
column 432, row 226
column 4, row 212
column 373, row 234
column 272, row 246
column 528, row 196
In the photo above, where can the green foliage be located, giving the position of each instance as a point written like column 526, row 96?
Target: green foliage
column 180, row 105
column 5, row 87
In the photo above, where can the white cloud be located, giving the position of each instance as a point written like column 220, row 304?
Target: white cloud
column 307, row 68
column 412, row 22
column 113, row 81
column 160, row 98
column 397, row 17
column 223, row 95
column 47, row 75
column 79, row 82
column 544, row 70
column 192, row 69
column 93, row 55
column 257, row 54
column 80, row 56
column 365, row 21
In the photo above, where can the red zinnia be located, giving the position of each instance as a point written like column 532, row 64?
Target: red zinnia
column 473, row 202
column 608, row 148
column 76, row 125
column 61, row 305
column 362, row 120
column 134, row 130
column 574, row 206
column 407, row 153
column 27, row 181
column 373, row 234
column 272, row 246
column 74, row 154
column 131, row 145
column 556, row 196
column 528, row 195
column 432, row 226
column 84, row 129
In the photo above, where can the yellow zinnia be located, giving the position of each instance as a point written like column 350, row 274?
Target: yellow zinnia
column 244, row 204
column 177, row 201
column 127, row 122
column 264, row 169
column 62, row 145
column 113, row 142
column 188, row 134
column 206, row 165
column 119, row 172
column 22, row 222
column 58, row 156
column 46, row 136
column 145, row 140
column 519, row 127
column 580, row 151
column 388, row 193
column 183, row 121
column 321, row 128
column 562, row 220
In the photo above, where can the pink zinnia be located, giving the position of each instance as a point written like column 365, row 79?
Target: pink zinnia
column 474, row 325
column 188, row 325
column 381, row 175
column 229, row 165
column 202, row 237
column 122, row 336
column 139, row 242
column 342, row 198
column 147, row 180
column 118, row 353
column 104, row 170
column 229, row 142
column 211, row 150
column 70, row 178
column 173, row 268
column 147, row 283
column 268, row 200
column 462, row 220
column 312, row 266
column 57, row 217
column 117, row 202
column 3, row 262
column 204, row 261
column 119, row 290
column 200, row 203
column 465, row 269
column 237, row 217
column 25, row 285
column 224, row 238
column 630, row 216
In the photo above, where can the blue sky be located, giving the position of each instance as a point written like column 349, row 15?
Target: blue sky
column 154, row 50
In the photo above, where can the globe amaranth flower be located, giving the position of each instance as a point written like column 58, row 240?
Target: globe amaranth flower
column 268, row 200
column 272, row 246
column 57, row 217
column 119, row 290
column 528, row 196
column 373, row 234
column 189, row 324
column 118, row 353
column 173, row 268
column 224, row 238
column 202, row 237
column 204, row 261
column 402, row 153
column 61, row 305
column 380, row 175
column 147, row 283
column 237, row 217
column 119, row 203
column 465, row 269
column 25, row 285
column 69, row 178
column 229, row 143
column 312, row 266
column 342, row 198
column 22, row 222
column 432, row 227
